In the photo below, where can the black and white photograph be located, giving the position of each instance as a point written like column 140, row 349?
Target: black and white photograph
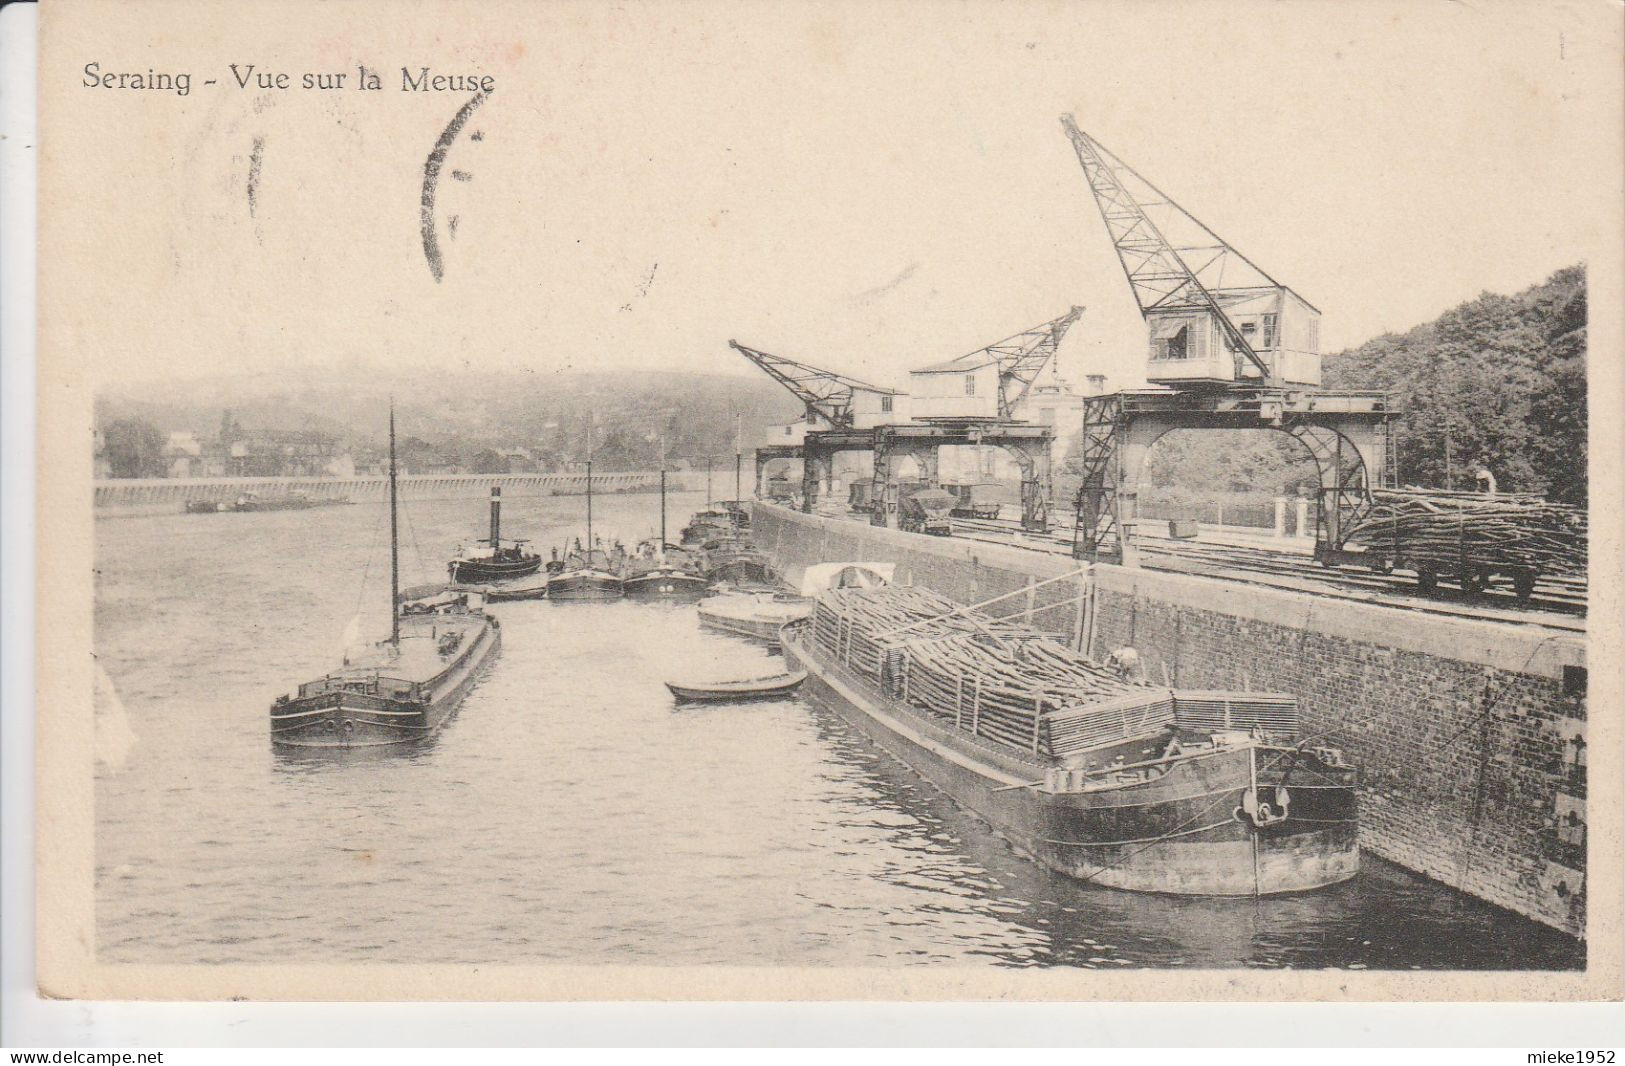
column 783, row 501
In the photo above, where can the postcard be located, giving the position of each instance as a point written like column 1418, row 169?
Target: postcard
column 829, row 501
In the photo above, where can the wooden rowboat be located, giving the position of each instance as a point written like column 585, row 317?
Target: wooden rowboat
column 755, row 688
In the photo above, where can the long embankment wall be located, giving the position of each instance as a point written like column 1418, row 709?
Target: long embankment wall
column 140, row 495
column 1470, row 734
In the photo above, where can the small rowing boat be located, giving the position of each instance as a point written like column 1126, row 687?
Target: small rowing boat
column 535, row 589
column 755, row 688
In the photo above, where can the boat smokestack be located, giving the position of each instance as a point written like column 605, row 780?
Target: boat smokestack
column 496, row 515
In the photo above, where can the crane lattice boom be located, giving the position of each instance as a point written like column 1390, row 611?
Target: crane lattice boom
column 1172, row 260
column 826, row 394
column 1023, row 357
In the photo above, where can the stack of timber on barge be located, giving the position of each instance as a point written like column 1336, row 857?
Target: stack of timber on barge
column 1116, row 783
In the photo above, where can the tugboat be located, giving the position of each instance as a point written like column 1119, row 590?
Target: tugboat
column 1103, row 779
column 402, row 689
column 586, row 573
column 654, row 574
column 503, row 562
column 707, row 525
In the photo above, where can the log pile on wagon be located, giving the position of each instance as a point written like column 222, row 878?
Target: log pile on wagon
column 1455, row 529
column 1002, row 681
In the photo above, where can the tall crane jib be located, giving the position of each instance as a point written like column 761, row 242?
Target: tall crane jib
column 1022, row 357
column 826, row 394
column 1214, row 316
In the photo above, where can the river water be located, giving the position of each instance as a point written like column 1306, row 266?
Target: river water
column 569, row 813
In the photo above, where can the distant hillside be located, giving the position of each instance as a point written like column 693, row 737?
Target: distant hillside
column 632, row 415
column 1498, row 382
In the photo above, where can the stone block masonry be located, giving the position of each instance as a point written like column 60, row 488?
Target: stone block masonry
column 1470, row 734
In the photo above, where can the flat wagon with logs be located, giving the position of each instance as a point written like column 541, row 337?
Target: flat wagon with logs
column 1474, row 539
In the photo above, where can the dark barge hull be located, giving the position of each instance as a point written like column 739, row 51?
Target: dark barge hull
column 475, row 570
column 1183, row 834
column 666, row 584
column 584, row 585
column 357, row 720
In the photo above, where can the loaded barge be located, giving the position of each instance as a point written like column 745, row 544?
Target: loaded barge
column 1115, row 783
column 404, row 688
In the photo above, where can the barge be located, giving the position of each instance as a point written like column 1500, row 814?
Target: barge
column 402, row 689
column 759, row 617
column 1114, row 783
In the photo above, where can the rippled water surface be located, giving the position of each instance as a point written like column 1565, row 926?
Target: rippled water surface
column 569, row 813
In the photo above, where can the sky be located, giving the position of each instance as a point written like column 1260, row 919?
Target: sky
column 866, row 187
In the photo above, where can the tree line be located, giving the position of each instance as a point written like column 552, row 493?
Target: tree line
column 1498, row 382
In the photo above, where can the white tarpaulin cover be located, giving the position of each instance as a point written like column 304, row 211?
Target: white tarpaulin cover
column 821, row 576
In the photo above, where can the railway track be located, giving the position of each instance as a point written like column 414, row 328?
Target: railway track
column 1557, row 602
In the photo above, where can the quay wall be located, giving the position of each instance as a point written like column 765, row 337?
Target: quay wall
column 141, row 495
column 1470, row 734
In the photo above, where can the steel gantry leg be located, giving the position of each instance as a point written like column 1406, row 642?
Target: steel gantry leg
column 1348, row 457
column 883, row 497
column 1095, row 534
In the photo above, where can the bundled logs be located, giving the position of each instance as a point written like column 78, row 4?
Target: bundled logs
column 1450, row 530
column 989, row 677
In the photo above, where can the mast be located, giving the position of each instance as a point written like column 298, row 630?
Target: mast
column 662, row 510
column 394, row 542
column 589, row 488
column 739, row 452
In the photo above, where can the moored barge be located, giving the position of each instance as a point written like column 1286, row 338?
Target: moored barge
column 1118, row 784
column 402, row 689
column 759, row 617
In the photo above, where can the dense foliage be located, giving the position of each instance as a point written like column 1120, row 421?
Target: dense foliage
column 1498, row 382
column 134, row 448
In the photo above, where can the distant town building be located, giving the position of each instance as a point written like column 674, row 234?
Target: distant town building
column 104, row 464
column 183, row 455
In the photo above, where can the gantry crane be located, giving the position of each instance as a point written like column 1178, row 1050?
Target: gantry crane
column 1240, row 349
column 1173, row 261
